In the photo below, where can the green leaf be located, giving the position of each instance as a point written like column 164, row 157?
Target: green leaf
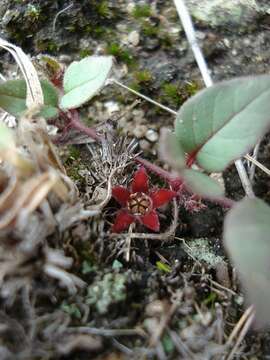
column 170, row 150
column 83, row 79
column 6, row 137
column 201, row 184
column 13, row 95
column 163, row 267
column 247, row 239
column 223, row 122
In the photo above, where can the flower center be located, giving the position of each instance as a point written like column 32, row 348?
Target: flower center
column 139, row 204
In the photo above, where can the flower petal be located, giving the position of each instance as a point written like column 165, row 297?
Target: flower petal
column 122, row 221
column 120, row 194
column 151, row 221
column 162, row 196
column 140, row 181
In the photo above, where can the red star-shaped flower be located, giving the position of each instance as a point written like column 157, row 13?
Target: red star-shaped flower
column 139, row 203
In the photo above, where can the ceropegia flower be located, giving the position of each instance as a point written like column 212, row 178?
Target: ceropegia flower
column 139, row 203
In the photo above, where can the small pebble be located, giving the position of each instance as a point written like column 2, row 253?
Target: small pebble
column 130, row 7
column 227, row 42
column 151, row 135
column 111, row 107
column 66, row 59
column 134, row 38
column 121, row 27
column 139, row 131
column 144, row 145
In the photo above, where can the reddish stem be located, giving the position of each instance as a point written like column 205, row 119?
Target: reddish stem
column 176, row 182
column 158, row 170
column 191, row 158
column 77, row 124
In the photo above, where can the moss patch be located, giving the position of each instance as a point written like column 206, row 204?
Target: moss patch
column 141, row 11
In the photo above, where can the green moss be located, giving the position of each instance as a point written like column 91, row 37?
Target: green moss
column 74, row 153
column 33, row 12
column 72, row 163
column 85, row 52
column 73, row 173
column 120, row 53
column 211, row 299
column 166, row 41
column 171, row 93
column 149, row 29
column 96, row 31
column 141, row 11
column 47, row 45
column 99, row 31
column 176, row 95
column 102, row 9
column 143, row 76
column 135, row 86
column 71, row 28
column 191, row 88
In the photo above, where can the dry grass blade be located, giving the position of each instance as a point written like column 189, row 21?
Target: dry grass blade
column 258, row 164
column 247, row 314
column 28, row 196
column 240, row 330
column 34, row 98
column 191, row 36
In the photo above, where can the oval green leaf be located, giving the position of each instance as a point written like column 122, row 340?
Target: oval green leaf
column 170, row 150
column 221, row 123
column 247, row 239
column 201, row 184
column 6, row 137
column 83, row 79
column 13, row 95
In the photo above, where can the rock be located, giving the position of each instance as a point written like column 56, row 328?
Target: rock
column 130, row 7
column 121, row 28
column 151, row 135
column 162, row 69
column 144, row 145
column 64, row 58
column 139, row 131
column 111, row 107
column 134, row 38
column 151, row 43
column 224, row 12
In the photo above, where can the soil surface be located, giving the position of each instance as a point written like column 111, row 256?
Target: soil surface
column 176, row 299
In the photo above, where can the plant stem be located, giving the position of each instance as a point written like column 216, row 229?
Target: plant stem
column 77, row 124
column 145, row 97
column 174, row 180
column 191, row 36
column 157, row 170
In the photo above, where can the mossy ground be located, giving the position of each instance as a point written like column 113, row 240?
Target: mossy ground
column 161, row 66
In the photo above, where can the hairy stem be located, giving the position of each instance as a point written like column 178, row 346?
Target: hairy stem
column 175, row 181
column 77, row 124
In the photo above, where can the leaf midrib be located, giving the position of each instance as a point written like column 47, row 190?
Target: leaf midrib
column 200, row 146
column 83, row 83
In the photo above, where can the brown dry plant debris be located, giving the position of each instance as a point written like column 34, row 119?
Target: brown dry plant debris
column 36, row 199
